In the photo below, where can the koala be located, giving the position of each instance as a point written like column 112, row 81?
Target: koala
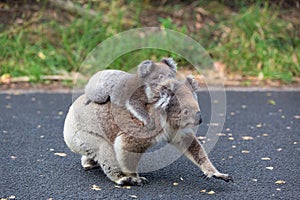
column 132, row 91
column 92, row 131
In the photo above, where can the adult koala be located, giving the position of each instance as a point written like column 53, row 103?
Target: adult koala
column 108, row 135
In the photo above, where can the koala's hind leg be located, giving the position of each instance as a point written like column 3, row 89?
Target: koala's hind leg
column 193, row 150
column 106, row 158
column 128, row 162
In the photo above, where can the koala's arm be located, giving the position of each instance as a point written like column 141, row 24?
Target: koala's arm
column 189, row 145
column 136, row 105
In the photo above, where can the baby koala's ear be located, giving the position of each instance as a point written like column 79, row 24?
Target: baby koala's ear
column 171, row 63
column 190, row 80
column 145, row 68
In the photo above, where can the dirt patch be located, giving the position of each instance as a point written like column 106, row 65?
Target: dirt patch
column 52, row 86
column 211, row 78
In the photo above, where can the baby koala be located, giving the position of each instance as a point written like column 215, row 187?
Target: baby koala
column 133, row 91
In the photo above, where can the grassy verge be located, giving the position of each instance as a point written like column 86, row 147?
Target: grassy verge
column 256, row 41
column 252, row 40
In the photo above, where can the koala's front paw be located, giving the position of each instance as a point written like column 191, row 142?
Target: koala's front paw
column 224, row 177
column 132, row 181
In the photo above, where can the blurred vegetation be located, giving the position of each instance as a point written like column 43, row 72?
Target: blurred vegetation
column 251, row 38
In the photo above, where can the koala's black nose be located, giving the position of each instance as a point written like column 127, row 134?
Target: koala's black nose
column 198, row 117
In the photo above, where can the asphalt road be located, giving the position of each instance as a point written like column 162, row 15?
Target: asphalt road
column 36, row 163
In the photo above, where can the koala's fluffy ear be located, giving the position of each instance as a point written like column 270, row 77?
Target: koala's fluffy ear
column 165, row 96
column 145, row 68
column 171, row 63
column 190, row 80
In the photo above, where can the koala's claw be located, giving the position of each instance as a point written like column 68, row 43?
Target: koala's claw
column 89, row 167
column 204, row 176
column 144, row 180
column 224, row 177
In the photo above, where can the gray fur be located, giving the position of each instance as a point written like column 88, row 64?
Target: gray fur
column 132, row 91
column 110, row 140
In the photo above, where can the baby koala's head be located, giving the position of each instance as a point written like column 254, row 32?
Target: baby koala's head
column 152, row 75
column 150, row 72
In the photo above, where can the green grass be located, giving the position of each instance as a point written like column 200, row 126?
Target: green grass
column 63, row 47
column 252, row 40
column 256, row 40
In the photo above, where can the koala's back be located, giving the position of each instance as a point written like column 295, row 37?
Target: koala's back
column 101, row 84
column 100, row 121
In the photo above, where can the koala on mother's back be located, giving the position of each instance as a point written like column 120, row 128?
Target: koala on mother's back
column 133, row 91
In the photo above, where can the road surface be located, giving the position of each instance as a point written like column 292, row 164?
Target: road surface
column 259, row 147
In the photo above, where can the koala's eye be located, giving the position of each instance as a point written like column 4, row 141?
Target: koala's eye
column 161, row 76
column 185, row 112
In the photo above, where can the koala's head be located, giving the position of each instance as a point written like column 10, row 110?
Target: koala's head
column 151, row 72
column 179, row 100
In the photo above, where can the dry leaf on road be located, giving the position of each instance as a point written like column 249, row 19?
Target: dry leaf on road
column 245, row 151
column 60, row 154
column 247, row 138
column 271, row 102
column 95, row 187
column 280, row 182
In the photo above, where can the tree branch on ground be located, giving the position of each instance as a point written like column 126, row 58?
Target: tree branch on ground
column 72, row 8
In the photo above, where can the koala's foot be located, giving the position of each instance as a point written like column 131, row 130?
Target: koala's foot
column 132, row 181
column 88, row 163
column 224, row 177
column 218, row 175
